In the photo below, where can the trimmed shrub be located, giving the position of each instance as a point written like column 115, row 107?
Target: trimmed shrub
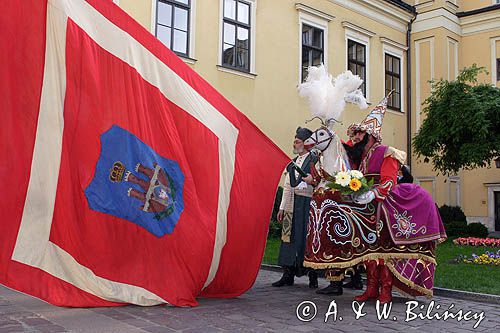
column 456, row 228
column 477, row 230
column 451, row 214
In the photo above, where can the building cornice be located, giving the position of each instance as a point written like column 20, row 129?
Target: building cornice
column 437, row 18
column 313, row 11
column 486, row 21
column 392, row 43
column 384, row 12
column 358, row 29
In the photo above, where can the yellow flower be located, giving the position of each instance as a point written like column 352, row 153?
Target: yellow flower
column 355, row 184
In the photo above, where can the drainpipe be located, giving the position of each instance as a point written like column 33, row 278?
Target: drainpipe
column 408, row 91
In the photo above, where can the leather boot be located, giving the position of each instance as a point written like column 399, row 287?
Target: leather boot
column 286, row 279
column 355, row 282
column 313, row 279
column 372, row 283
column 335, row 288
column 385, row 284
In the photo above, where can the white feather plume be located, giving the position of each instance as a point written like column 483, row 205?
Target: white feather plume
column 327, row 96
column 356, row 97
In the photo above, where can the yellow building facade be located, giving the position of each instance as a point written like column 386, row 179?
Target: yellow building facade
column 255, row 51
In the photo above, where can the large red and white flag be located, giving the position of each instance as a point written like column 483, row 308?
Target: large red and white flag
column 125, row 177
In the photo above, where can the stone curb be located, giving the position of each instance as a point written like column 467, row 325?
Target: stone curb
column 443, row 292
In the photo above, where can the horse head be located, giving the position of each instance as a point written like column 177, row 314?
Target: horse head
column 322, row 137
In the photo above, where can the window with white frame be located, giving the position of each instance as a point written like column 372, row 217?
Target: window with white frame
column 393, row 81
column 313, row 49
column 498, row 68
column 356, row 61
column 236, row 32
column 454, row 191
column 173, row 24
column 428, row 184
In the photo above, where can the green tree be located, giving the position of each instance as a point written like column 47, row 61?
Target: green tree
column 462, row 125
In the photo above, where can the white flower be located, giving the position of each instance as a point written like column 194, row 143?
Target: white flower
column 342, row 178
column 356, row 174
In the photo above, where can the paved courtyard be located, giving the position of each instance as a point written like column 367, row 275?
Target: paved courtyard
column 262, row 309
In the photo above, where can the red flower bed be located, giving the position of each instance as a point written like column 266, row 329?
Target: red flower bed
column 473, row 241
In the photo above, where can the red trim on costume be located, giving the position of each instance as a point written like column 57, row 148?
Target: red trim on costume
column 388, row 177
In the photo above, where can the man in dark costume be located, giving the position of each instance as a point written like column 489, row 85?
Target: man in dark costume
column 294, row 214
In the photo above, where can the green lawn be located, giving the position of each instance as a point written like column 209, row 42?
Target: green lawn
column 476, row 278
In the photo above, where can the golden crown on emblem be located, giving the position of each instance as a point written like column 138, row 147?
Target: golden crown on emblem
column 116, row 173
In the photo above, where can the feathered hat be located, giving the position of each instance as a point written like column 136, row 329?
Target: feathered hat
column 327, row 96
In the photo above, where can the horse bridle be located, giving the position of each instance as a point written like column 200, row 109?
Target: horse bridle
column 325, row 127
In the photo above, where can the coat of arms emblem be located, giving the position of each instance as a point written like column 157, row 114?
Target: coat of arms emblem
column 149, row 195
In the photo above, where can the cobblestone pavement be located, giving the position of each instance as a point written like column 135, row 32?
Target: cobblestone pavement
column 262, row 309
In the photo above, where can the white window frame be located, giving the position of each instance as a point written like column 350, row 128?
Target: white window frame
column 494, row 55
column 495, row 2
column 361, row 36
column 452, row 72
column 492, row 188
column 419, row 180
column 191, row 57
column 253, row 45
column 396, row 50
column 316, row 19
column 456, row 180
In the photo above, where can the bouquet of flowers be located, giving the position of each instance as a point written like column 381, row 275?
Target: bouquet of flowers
column 351, row 182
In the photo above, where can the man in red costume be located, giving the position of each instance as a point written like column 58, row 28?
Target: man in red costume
column 391, row 229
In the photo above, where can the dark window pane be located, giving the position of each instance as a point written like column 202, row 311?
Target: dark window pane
column 180, row 41
column 228, row 55
column 352, row 67
column 304, row 73
column 388, row 82
column 243, row 13
column 396, row 85
column 317, row 57
column 164, row 35
column 318, row 38
column 164, row 14
column 230, row 9
column 242, row 58
column 351, row 51
column 229, row 33
column 243, row 38
column 395, row 65
column 305, row 56
column 306, row 35
column 388, row 63
column 181, row 19
column 360, row 53
column 498, row 69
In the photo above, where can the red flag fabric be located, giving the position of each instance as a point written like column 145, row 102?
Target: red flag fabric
column 126, row 177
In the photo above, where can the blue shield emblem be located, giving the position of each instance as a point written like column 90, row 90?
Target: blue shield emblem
column 134, row 183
